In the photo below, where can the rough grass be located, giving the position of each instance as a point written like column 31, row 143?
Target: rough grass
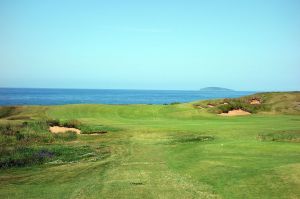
column 30, row 143
column 281, row 136
column 6, row 111
column 26, row 156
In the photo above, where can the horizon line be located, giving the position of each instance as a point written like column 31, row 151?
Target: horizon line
column 145, row 89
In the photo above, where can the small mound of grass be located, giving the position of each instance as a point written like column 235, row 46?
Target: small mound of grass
column 282, row 136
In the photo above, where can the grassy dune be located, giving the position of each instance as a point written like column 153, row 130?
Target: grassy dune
column 154, row 151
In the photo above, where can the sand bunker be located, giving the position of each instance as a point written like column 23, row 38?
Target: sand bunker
column 235, row 113
column 210, row 105
column 59, row 129
column 255, row 101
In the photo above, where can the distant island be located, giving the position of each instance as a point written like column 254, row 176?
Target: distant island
column 215, row 89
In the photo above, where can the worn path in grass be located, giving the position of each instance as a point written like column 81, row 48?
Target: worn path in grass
column 137, row 169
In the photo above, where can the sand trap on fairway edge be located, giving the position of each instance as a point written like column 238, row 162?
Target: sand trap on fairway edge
column 59, row 129
column 255, row 101
column 235, row 113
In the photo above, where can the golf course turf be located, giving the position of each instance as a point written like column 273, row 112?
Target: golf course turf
column 180, row 150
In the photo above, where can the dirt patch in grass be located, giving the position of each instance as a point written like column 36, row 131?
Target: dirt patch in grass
column 236, row 112
column 59, row 129
column 255, row 101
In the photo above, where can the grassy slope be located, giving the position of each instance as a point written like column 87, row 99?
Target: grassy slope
column 272, row 103
column 151, row 158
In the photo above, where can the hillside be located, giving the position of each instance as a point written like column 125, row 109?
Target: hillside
column 273, row 102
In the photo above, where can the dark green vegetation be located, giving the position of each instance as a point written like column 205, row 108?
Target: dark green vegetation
column 148, row 151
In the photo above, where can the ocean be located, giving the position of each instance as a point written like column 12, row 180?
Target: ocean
column 34, row 96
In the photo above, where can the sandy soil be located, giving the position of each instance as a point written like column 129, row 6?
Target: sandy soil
column 254, row 101
column 59, row 129
column 235, row 113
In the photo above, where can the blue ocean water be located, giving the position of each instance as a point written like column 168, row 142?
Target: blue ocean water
column 28, row 96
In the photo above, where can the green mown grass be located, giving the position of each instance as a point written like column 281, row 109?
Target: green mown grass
column 153, row 151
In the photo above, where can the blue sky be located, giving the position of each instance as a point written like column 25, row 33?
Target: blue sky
column 157, row 44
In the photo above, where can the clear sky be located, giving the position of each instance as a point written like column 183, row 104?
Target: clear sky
column 155, row 44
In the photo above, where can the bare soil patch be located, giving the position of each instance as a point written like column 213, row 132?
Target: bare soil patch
column 59, row 129
column 236, row 113
column 255, row 101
